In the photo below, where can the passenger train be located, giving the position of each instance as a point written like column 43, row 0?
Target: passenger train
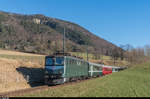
column 62, row 67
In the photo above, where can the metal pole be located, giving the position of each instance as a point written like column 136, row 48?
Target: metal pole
column 64, row 41
column 87, row 53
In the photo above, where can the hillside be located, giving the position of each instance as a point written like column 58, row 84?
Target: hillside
column 41, row 34
column 16, row 66
column 133, row 82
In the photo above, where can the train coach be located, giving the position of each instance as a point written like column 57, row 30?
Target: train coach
column 95, row 70
column 107, row 70
column 62, row 68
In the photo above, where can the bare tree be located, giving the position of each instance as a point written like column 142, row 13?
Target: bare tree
column 122, row 52
column 115, row 54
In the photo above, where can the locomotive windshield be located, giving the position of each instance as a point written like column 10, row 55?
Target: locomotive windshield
column 49, row 61
column 59, row 61
column 56, row 61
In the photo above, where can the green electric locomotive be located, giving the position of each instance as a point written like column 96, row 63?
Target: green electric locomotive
column 61, row 68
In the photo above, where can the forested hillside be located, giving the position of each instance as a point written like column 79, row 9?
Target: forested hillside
column 41, row 34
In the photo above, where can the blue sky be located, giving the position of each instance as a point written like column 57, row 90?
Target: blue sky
column 118, row 21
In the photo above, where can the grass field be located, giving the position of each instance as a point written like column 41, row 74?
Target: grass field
column 8, row 52
column 90, row 56
column 34, row 59
column 26, row 57
column 133, row 82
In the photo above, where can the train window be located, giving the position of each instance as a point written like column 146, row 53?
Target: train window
column 108, row 69
column 59, row 61
column 49, row 61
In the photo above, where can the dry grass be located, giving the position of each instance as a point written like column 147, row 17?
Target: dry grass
column 9, row 76
column 14, row 66
column 106, row 60
column 7, row 52
column 110, row 62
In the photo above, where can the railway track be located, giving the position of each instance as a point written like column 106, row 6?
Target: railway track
column 37, row 89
